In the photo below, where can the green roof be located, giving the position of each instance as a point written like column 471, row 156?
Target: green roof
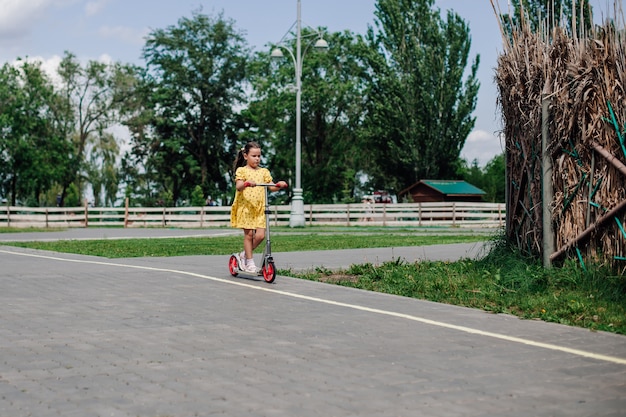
column 450, row 187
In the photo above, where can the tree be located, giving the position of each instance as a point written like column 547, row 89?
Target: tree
column 420, row 107
column 333, row 86
column 544, row 15
column 491, row 179
column 92, row 98
column 194, row 81
column 495, row 179
column 32, row 150
column 103, row 172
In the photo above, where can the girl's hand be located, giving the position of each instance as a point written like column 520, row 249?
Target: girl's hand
column 249, row 184
column 281, row 184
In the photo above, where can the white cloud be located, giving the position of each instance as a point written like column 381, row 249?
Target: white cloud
column 481, row 146
column 17, row 17
column 49, row 66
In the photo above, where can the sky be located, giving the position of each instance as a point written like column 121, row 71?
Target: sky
column 115, row 30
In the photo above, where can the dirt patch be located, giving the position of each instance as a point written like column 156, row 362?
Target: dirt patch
column 338, row 278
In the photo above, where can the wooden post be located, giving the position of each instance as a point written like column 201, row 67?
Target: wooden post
column 46, row 218
column 590, row 191
column 507, row 195
column 86, row 213
column 126, row 213
column 547, row 192
column 419, row 213
column 453, row 214
column 385, row 214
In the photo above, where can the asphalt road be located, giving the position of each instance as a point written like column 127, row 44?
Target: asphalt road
column 87, row 336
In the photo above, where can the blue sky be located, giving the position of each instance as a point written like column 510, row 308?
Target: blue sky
column 115, row 29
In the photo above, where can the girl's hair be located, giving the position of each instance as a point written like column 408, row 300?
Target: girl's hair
column 240, row 161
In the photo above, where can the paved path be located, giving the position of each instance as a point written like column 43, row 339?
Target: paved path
column 87, row 336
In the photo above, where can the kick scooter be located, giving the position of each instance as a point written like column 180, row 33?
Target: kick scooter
column 268, row 270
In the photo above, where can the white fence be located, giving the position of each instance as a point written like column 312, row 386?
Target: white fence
column 456, row 214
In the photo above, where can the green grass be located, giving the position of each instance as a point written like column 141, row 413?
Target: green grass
column 28, row 229
column 129, row 248
column 502, row 282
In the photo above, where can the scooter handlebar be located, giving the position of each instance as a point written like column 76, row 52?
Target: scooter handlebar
column 269, row 184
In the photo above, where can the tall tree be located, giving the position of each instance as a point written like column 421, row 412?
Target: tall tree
column 491, row 179
column 92, row 98
column 195, row 82
column 574, row 15
column 420, row 105
column 32, row 151
column 333, row 86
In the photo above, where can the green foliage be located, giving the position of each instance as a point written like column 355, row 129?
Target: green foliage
column 73, row 196
column 32, row 150
column 186, row 130
column 92, row 98
column 419, row 106
column 377, row 108
column 332, row 105
column 197, row 197
column 490, row 179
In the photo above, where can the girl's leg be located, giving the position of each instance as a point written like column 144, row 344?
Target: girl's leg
column 257, row 238
column 248, row 239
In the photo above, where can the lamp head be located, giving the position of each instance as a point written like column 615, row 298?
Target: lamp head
column 321, row 44
column 277, row 54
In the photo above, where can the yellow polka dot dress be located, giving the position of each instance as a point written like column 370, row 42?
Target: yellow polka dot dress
column 248, row 209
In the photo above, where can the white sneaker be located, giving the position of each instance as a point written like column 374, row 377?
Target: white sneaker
column 250, row 266
column 241, row 258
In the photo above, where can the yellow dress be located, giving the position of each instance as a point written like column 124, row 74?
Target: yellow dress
column 248, row 209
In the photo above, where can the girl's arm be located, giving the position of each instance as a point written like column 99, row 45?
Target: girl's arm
column 279, row 185
column 241, row 184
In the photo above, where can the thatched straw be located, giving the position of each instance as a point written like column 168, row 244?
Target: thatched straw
column 585, row 79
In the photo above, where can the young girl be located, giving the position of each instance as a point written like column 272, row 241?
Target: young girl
column 248, row 209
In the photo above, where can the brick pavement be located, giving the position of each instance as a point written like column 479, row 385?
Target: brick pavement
column 86, row 336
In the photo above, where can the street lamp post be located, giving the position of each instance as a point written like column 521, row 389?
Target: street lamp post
column 296, row 218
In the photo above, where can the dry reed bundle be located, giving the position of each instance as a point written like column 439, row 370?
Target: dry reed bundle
column 585, row 81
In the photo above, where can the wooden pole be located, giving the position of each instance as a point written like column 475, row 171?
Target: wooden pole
column 86, row 213
column 126, row 213
column 547, row 192
column 611, row 159
column 590, row 191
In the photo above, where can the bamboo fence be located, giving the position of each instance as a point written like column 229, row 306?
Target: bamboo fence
column 583, row 79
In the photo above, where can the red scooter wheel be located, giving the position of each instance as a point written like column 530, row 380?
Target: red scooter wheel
column 233, row 266
column 269, row 272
